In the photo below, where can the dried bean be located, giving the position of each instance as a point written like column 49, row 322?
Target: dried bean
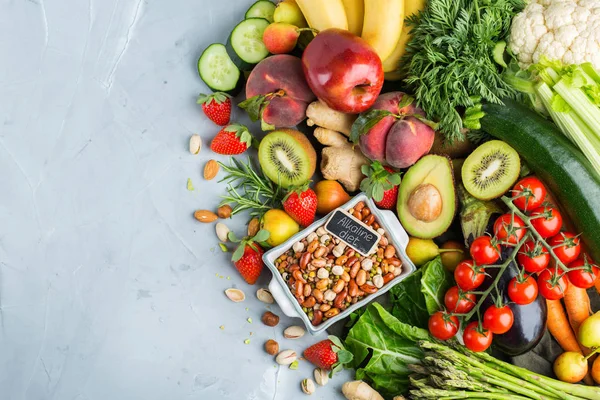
column 320, row 252
column 319, row 262
column 318, row 295
column 361, row 277
column 341, row 260
column 389, row 252
column 395, row 262
column 322, row 284
column 370, row 289
column 325, row 307
column 297, row 274
column 307, row 291
column 352, row 288
column 332, row 312
column 309, row 302
column 339, row 285
column 340, row 298
column 388, row 277
column 317, row 317
column 369, row 220
column 312, row 246
column 299, row 288
column 354, row 270
column 359, row 206
column 305, row 259
column 345, row 277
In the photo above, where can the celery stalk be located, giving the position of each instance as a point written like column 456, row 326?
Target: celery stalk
column 573, row 127
column 579, row 102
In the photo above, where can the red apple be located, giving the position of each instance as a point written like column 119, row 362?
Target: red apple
column 343, row 70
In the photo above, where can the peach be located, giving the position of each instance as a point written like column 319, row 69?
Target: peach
column 281, row 78
column 373, row 144
column 408, row 140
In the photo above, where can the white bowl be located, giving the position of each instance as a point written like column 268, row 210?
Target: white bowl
column 287, row 302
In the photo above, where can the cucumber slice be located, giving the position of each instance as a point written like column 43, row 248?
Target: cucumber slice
column 218, row 71
column 261, row 9
column 245, row 45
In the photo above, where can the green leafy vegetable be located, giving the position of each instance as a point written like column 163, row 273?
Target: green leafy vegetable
column 408, row 301
column 434, row 284
column 392, row 345
column 450, row 57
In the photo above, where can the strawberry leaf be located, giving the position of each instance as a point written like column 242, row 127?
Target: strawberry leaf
column 377, row 193
column 238, row 253
column 254, row 106
column 336, row 342
column 365, row 122
column 261, row 235
column 232, row 238
column 218, row 97
column 394, row 179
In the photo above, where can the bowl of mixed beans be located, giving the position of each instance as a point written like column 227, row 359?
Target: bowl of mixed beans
column 320, row 279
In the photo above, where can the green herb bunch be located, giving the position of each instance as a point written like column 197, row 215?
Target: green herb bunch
column 450, row 58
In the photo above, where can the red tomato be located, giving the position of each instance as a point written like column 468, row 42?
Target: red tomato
column 468, row 276
column 548, row 221
column 566, row 246
column 522, row 292
column 476, row 338
column 485, row 251
column 533, row 257
column 509, row 229
column 551, row 286
column 457, row 302
column 498, row 320
column 528, row 193
column 442, row 325
column 586, row 276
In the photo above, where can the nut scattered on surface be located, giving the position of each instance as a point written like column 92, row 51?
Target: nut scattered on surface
column 270, row 319
column 294, row 332
column 205, row 216
column 195, row 144
column 321, row 376
column 211, row 169
column 271, row 347
column 222, row 231
column 265, row 296
column 286, row 357
column 235, row 295
column 224, row 211
column 253, row 227
column 308, row 386
column 294, row 365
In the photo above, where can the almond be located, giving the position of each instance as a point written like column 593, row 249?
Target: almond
column 205, row 216
column 253, row 227
column 211, row 169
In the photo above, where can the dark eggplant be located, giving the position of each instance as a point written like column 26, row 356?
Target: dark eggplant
column 530, row 320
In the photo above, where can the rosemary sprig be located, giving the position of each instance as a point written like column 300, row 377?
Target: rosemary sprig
column 249, row 189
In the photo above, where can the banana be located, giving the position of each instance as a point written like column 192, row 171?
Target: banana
column 324, row 14
column 355, row 10
column 383, row 24
column 391, row 64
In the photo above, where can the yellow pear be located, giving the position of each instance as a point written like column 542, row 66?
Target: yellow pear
column 280, row 225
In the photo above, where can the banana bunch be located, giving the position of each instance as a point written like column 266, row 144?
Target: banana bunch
column 324, row 14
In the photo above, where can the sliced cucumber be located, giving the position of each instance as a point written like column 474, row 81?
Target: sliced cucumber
column 218, row 71
column 245, row 45
column 261, row 9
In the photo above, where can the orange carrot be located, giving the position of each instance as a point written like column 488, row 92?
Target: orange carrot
column 577, row 304
column 559, row 327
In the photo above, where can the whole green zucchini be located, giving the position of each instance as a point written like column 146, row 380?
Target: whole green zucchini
column 554, row 159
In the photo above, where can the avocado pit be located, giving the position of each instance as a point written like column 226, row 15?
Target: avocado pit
column 425, row 203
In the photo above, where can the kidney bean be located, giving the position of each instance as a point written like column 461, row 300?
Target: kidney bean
column 395, row 262
column 361, row 277
column 388, row 277
column 351, row 261
column 356, row 214
column 341, row 260
column 365, row 212
column 369, row 220
column 299, row 289
column 307, row 291
column 305, row 259
column 340, row 298
column 322, row 284
column 352, row 288
column 317, row 317
column 325, row 307
column 320, row 252
column 318, row 295
column 359, row 206
column 370, row 289
column 389, row 252
column 354, row 270
column 313, row 246
column 297, row 274
column 332, row 312
column 339, row 285
column 345, row 277
column 318, row 262
column 309, row 302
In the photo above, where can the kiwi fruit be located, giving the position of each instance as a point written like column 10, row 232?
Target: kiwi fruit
column 287, row 157
column 491, row 170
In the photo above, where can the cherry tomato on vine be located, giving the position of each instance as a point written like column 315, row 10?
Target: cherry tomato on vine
column 547, row 221
column 533, row 257
column 551, row 286
column 468, row 276
column 476, row 338
column 443, row 326
column 457, row 302
column 530, row 193
column 566, row 246
column 509, row 229
column 586, row 276
column 523, row 291
column 484, row 250
column 498, row 320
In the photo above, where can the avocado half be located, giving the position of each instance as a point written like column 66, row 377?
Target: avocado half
column 427, row 197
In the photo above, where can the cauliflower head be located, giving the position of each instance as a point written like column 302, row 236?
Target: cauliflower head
column 564, row 30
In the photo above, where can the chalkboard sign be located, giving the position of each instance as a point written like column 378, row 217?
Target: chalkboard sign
column 353, row 232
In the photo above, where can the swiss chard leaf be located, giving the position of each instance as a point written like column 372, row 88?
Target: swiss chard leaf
column 392, row 345
column 434, row 284
column 408, row 301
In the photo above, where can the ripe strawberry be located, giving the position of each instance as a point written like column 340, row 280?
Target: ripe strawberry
column 328, row 354
column 216, row 106
column 381, row 184
column 233, row 139
column 301, row 204
column 247, row 258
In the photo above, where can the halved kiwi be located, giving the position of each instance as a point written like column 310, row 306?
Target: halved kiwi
column 287, row 157
column 491, row 170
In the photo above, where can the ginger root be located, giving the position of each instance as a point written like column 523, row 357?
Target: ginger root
column 327, row 137
column 343, row 163
column 320, row 115
column 359, row 390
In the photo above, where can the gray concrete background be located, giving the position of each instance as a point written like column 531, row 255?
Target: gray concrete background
column 109, row 289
